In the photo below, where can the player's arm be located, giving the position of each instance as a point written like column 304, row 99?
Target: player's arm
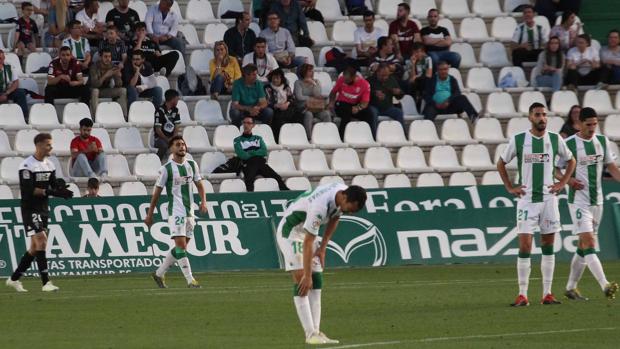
column 149, row 215
column 203, row 196
column 566, row 176
column 572, row 182
column 503, row 173
column 330, row 228
column 614, row 171
column 26, row 184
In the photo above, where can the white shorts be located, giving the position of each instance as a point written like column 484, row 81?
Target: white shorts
column 533, row 215
column 586, row 219
column 181, row 226
column 292, row 249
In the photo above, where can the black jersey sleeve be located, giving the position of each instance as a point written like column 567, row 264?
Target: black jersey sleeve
column 26, row 183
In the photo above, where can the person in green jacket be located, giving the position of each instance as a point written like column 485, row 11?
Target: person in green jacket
column 251, row 149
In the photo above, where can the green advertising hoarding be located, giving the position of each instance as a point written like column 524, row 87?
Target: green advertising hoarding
column 398, row 226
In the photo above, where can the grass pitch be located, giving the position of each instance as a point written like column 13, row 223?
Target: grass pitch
column 458, row 306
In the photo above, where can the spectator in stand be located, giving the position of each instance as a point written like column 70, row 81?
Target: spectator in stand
column 93, row 27
column 551, row 63
column 251, row 149
column 139, row 80
column 124, row 19
column 26, row 32
column 349, row 99
column 79, row 45
column 87, row 156
column 280, row 43
column 309, row 98
column 92, row 188
column 366, row 38
column 404, row 32
column 9, row 86
column 115, row 45
column 437, row 41
column 58, row 19
column 152, row 52
column 443, row 96
column 64, row 78
column 224, row 71
column 572, row 124
column 383, row 89
column 567, row 30
column 167, row 121
column 248, row 98
column 162, row 25
column 263, row 60
column 292, row 18
column 281, row 100
column 610, row 57
column 385, row 54
column 75, row 6
column 418, row 71
column 240, row 39
column 528, row 39
column 106, row 80
column 354, row 7
column 584, row 64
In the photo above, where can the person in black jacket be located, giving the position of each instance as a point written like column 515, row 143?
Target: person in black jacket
column 443, row 96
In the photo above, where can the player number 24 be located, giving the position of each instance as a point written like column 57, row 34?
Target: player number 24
column 522, row 215
column 179, row 220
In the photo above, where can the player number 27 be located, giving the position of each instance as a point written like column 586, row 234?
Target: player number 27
column 522, row 215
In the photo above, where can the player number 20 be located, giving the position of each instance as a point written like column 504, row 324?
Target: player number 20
column 522, row 215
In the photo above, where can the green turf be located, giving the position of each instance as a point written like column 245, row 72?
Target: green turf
column 407, row 307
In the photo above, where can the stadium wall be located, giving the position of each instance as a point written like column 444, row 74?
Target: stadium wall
column 397, row 227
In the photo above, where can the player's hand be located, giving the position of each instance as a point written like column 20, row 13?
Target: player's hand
column 575, row 184
column 203, row 208
column 321, row 254
column 305, row 285
column 517, row 191
column 556, row 188
column 148, row 221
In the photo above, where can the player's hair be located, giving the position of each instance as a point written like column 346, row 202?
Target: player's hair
column 418, row 46
column 368, row 13
column 356, row 194
column 89, row 3
column 613, row 31
column 112, row 27
column 248, row 69
column 26, row 4
column 587, row 113
column 74, row 23
column 260, row 40
column 443, row 63
column 42, row 137
column 93, row 183
column 65, row 48
column 239, row 17
column 139, row 25
column 349, row 71
column 249, row 117
column 137, row 53
column 86, row 122
column 586, row 37
column 271, row 13
column 432, row 10
column 382, row 41
column 105, row 50
column 534, row 106
column 173, row 139
column 527, row 7
column 405, row 6
column 171, row 94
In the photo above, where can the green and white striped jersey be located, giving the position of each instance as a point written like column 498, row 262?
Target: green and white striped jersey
column 591, row 155
column 536, row 159
column 177, row 179
column 312, row 209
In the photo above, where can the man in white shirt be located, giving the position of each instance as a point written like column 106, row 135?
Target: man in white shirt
column 93, row 27
column 366, row 37
column 162, row 25
column 264, row 61
column 528, row 39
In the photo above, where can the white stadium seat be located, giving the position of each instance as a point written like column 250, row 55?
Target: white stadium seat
column 229, row 5
column 491, row 178
column 502, row 28
column 554, row 123
column 214, row 32
column 293, row 136
column 325, row 136
column 73, row 113
column 104, row 138
column 329, row 9
column 461, row 179
column 43, row 116
column 146, row 167
column 423, row 132
column 449, row 25
column 612, row 127
column 62, row 141
column 359, row 135
column 512, row 165
column 409, row 108
column 391, row 134
column 420, row 8
column 331, row 179
column 365, row 181
column 224, row 136
column 346, row 162
column 199, row 11
column 319, row 35
column 210, row 161
column 298, row 183
column 429, row 180
column 5, row 192
column 489, row 131
column 468, row 57
column 455, row 8
column 519, row 75
column 132, row 189
column 600, row 101
column 129, row 141
column 527, row 98
column 9, row 169
column 398, row 180
column 12, row 117
column 118, row 169
column 493, row 54
column 199, row 60
column 267, row 134
column 325, row 81
column 307, row 54
column 283, row 163
column 517, row 125
column 476, row 158
column 106, row 190
column 474, row 29
column 24, row 141
column 481, row 80
column 378, row 160
column 5, row 145
column 456, row 132
column 140, row 7
column 343, row 32
column 110, row 115
column 36, row 61
column 411, row 160
column 443, row 159
column 209, row 113
column 234, row 185
column 562, row 101
column 500, row 105
column 313, row 163
column 387, row 8
column 142, row 113
column 486, row 8
column 266, row 184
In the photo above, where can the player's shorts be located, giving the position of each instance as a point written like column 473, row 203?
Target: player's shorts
column 586, row 219
column 181, row 226
column 292, row 249
column 35, row 222
column 533, row 215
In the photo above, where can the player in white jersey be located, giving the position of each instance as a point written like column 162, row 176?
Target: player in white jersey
column 304, row 251
column 537, row 152
column 177, row 176
column 585, row 200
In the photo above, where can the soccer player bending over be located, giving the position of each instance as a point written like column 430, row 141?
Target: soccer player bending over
column 177, row 176
column 536, row 151
column 37, row 181
column 304, row 252
column 585, row 201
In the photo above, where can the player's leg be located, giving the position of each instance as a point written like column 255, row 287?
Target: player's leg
column 186, row 268
column 24, row 262
column 549, row 223
column 527, row 214
column 578, row 263
column 180, row 251
column 304, row 309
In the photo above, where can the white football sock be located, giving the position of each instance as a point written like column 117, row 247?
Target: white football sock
column 186, row 269
column 315, row 305
column 302, row 304
column 524, row 267
column 547, row 266
column 577, row 266
column 166, row 264
column 594, row 264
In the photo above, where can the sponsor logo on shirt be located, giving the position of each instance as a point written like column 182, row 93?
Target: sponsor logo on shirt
column 536, row 158
column 42, row 176
column 182, row 180
column 590, row 160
